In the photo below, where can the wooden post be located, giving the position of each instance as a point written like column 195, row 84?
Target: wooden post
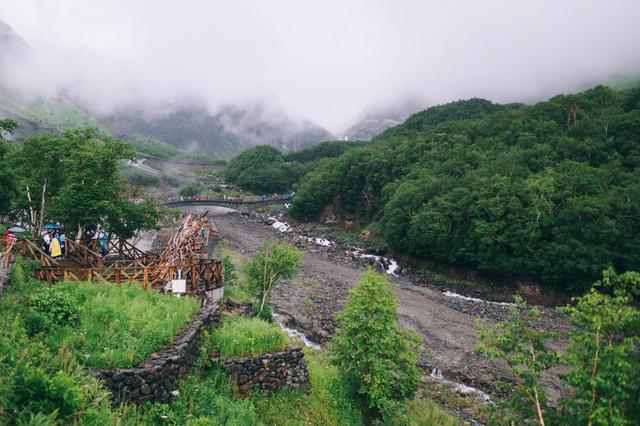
column 145, row 279
column 117, row 273
column 193, row 278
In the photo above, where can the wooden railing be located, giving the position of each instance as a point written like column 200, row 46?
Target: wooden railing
column 5, row 257
column 82, row 255
column 30, row 249
column 203, row 272
column 121, row 250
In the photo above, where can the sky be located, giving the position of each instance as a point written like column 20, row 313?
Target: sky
column 326, row 61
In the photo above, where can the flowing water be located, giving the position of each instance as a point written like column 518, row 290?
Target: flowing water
column 461, row 388
column 296, row 334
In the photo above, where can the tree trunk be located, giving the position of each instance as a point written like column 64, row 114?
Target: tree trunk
column 79, row 234
column 41, row 219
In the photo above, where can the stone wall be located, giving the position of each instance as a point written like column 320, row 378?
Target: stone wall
column 5, row 273
column 268, row 372
column 156, row 378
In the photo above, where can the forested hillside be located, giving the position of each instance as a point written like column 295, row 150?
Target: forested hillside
column 549, row 191
column 263, row 169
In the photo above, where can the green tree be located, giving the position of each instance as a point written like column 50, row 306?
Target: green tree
column 371, row 349
column 273, row 263
column 524, row 348
column 602, row 354
column 192, row 188
column 74, row 179
column 229, row 274
column 263, row 170
column 7, row 177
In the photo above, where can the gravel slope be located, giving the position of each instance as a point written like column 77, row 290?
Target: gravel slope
column 446, row 324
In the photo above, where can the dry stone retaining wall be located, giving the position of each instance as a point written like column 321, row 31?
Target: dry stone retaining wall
column 156, row 378
column 5, row 273
column 268, row 372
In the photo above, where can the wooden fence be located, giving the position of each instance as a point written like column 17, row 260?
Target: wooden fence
column 203, row 273
column 127, row 264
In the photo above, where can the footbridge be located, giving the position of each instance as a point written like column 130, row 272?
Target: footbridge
column 226, row 202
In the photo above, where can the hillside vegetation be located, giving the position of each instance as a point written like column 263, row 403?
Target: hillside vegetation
column 264, row 169
column 53, row 113
column 549, row 191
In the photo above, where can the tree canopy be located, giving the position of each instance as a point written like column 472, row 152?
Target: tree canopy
column 549, row 191
column 263, row 169
column 7, row 182
column 73, row 179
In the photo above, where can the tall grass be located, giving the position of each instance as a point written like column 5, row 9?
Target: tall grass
column 121, row 325
column 239, row 336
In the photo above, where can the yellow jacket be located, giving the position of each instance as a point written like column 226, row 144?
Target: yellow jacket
column 54, row 248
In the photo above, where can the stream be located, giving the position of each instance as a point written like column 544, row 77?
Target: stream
column 296, row 334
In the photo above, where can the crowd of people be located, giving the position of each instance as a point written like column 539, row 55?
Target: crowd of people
column 53, row 242
column 230, row 199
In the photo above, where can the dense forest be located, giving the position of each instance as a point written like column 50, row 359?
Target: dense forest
column 549, row 191
column 264, row 169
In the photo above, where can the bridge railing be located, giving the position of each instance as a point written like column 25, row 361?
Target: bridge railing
column 221, row 202
column 120, row 249
column 206, row 273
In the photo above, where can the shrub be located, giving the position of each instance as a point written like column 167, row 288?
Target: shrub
column 265, row 314
column 50, row 310
column 602, row 354
column 38, row 392
column 240, row 336
column 229, row 275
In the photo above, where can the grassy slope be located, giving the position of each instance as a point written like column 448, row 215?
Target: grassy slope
column 122, row 325
column 119, row 325
column 42, row 383
column 247, row 336
column 55, row 112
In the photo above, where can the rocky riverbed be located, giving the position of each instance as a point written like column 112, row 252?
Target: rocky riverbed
column 444, row 318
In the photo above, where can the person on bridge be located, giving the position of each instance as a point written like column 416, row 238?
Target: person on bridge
column 9, row 238
column 54, row 248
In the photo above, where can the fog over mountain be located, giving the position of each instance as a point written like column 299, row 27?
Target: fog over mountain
column 329, row 63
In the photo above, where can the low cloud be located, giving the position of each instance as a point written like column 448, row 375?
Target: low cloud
column 325, row 61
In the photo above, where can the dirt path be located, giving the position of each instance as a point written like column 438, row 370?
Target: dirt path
column 446, row 324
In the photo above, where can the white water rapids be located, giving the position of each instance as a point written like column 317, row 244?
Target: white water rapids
column 296, row 334
column 449, row 293
column 390, row 266
column 461, row 388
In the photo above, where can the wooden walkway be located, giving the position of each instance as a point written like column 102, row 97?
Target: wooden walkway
column 118, row 262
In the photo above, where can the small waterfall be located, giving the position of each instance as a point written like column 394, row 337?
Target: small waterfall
column 296, row 334
column 436, row 373
column 461, row 388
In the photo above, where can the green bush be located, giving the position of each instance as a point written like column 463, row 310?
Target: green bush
column 265, row 314
column 190, row 189
column 229, row 274
column 50, row 309
column 38, row 392
column 239, row 336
